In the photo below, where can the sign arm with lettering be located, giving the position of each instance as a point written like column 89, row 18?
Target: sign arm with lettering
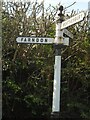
column 35, row 40
column 73, row 20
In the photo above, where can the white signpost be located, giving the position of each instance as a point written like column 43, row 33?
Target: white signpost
column 60, row 29
column 59, row 41
column 73, row 20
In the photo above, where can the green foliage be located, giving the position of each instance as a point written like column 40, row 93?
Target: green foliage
column 75, row 91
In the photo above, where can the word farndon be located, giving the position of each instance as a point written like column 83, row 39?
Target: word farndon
column 37, row 40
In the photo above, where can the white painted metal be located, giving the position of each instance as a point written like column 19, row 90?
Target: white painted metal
column 66, row 41
column 56, row 85
column 69, row 34
column 59, row 34
column 57, row 69
column 79, row 17
column 35, row 40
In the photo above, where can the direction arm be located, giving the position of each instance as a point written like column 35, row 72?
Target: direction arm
column 73, row 20
column 35, row 40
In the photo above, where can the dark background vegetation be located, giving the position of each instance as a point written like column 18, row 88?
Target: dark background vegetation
column 28, row 69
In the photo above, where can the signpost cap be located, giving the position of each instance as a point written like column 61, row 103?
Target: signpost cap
column 61, row 15
column 61, row 8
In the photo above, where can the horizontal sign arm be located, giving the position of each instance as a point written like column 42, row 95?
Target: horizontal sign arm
column 35, row 40
column 39, row 40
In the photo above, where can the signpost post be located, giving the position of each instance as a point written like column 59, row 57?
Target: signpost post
column 59, row 42
column 59, row 39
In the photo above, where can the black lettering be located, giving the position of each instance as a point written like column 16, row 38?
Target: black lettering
column 21, row 39
column 37, row 39
column 29, row 39
column 46, row 40
column 33, row 39
column 25, row 39
column 80, row 16
column 41, row 40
